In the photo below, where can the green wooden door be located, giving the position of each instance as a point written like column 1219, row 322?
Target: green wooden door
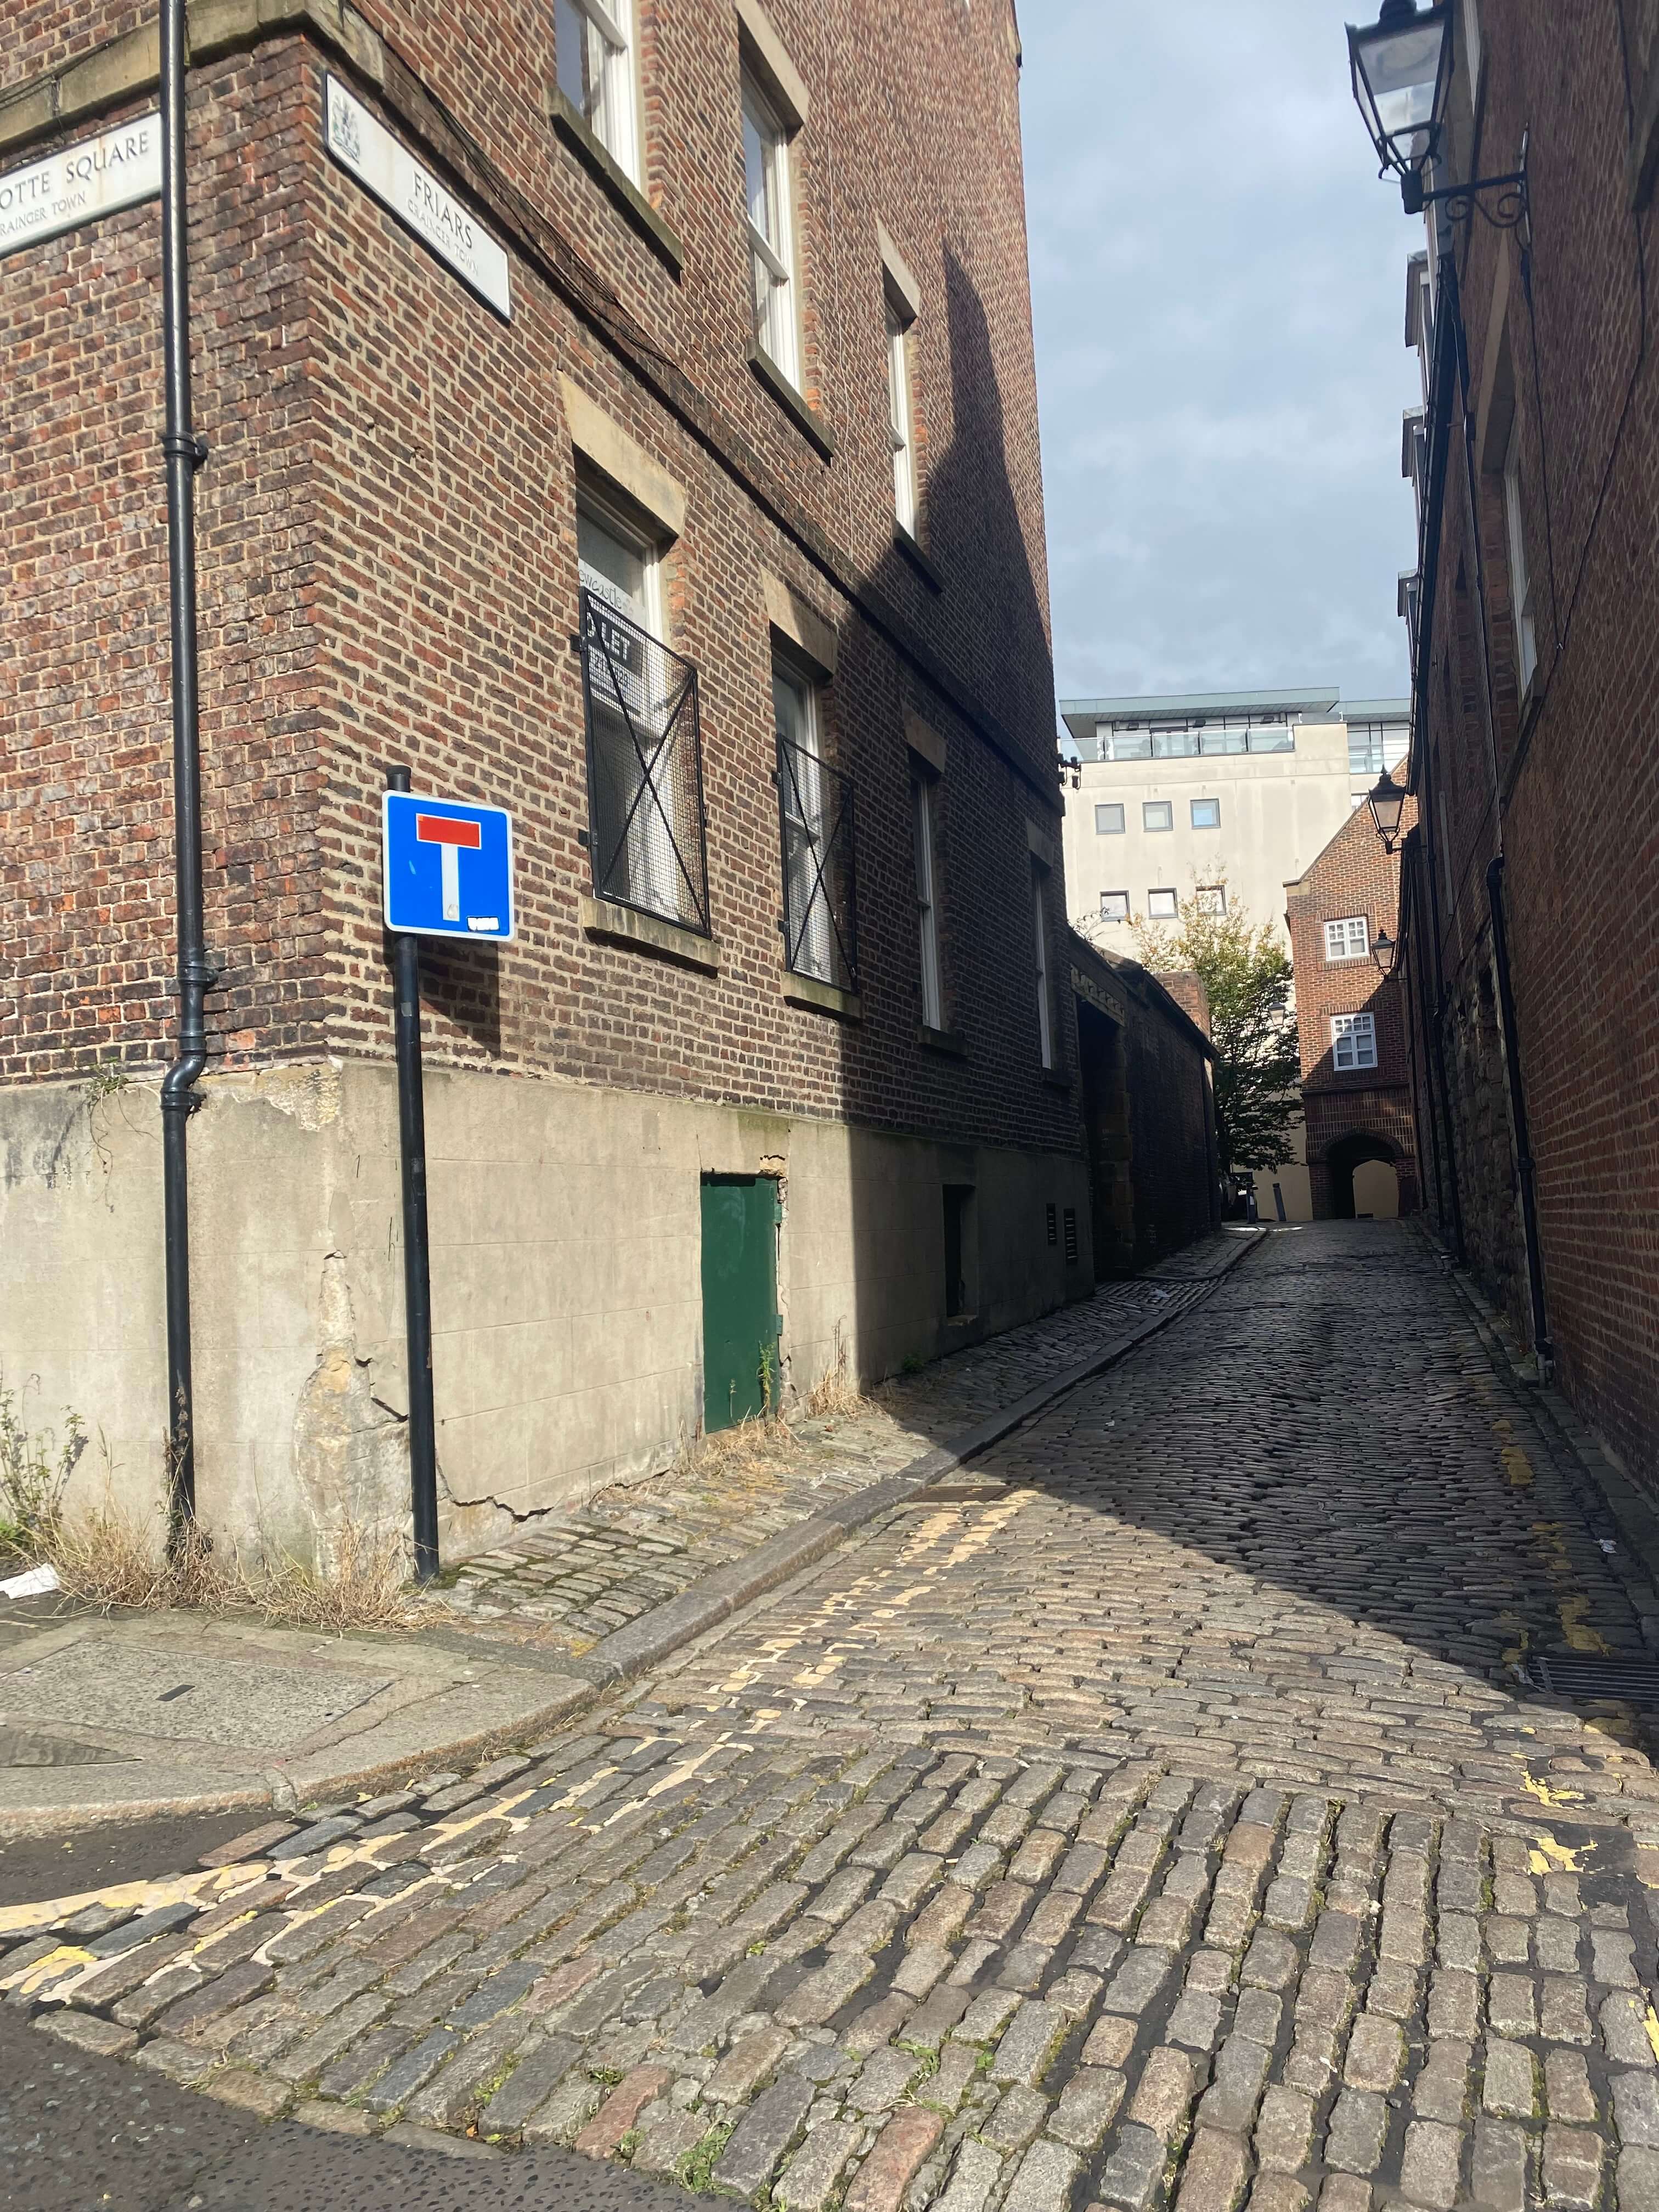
column 740, row 1322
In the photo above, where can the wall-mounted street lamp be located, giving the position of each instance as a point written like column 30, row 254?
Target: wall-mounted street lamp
column 1387, row 802
column 1383, row 950
column 1402, row 70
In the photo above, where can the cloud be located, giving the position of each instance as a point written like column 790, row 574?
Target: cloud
column 1218, row 283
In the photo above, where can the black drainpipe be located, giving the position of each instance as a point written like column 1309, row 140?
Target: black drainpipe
column 1523, row 1166
column 184, row 454
column 1500, row 942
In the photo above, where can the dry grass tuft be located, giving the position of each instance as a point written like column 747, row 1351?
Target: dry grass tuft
column 109, row 1559
column 757, row 1448
column 835, row 1395
column 367, row 1586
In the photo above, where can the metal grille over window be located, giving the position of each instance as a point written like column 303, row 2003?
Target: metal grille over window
column 644, row 769
column 815, row 819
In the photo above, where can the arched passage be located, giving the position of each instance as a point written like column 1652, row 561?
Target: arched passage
column 1363, row 1177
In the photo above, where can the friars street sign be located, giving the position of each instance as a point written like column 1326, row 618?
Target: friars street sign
column 368, row 148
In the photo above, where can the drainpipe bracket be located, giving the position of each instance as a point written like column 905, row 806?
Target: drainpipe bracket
column 184, row 446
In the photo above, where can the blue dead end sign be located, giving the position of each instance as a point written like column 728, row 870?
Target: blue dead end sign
column 448, row 868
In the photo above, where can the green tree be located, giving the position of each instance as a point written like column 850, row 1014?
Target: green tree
column 1247, row 974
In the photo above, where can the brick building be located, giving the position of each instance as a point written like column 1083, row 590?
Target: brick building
column 1531, row 884
column 1143, row 1061
column 1356, row 1076
column 625, row 415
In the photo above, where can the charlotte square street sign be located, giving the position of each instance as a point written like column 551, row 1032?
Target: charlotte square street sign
column 448, row 868
column 117, row 169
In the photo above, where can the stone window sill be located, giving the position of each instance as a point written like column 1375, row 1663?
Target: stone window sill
column 806, row 419
column 1056, row 1079
column 950, row 1041
column 821, row 998
column 624, row 924
column 620, row 187
column 912, row 550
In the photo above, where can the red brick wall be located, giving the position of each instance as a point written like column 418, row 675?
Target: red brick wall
column 1352, row 877
column 388, row 568
column 1567, row 778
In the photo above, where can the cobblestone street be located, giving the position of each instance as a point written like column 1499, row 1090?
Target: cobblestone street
column 1160, row 1812
column 574, row 1576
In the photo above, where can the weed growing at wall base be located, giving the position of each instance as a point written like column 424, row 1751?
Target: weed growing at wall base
column 34, row 1470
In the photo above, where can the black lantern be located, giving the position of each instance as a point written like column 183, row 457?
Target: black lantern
column 1387, row 802
column 1383, row 952
column 1401, row 69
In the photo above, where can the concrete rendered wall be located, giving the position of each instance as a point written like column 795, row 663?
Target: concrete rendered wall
column 565, row 1282
column 1294, row 1181
column 1277, row 811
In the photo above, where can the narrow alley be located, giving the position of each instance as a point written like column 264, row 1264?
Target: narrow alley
column 1159, row 1809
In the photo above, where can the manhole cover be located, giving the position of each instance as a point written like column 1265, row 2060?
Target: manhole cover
column 192, row 1693
column 1633, row 1681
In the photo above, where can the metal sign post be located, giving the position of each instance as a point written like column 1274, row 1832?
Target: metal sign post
column 428, row 893
column 417, row 1269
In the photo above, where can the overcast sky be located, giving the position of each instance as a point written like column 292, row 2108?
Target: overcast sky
column 1219, row 290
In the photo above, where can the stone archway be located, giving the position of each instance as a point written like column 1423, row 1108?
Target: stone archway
column 1363, row 1178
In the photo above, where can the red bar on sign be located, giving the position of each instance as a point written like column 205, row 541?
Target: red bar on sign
column 439, row 829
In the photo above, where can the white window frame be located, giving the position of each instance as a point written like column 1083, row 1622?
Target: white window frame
column 1105, row 915
column 612, row 115
column 1210, row 899
column 1045, row 1015
column 771, row 259
column 1348, row 939
column 1173, row 912
column 1526, row 631
column 1193, row 806
column 1111, row 829
column 901, row 416
column 1156, row 829
column 923, row 825
column 1355, row 1037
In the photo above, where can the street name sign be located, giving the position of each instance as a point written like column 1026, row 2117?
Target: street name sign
column 414, row 195
column 448, row 868
column 117, row 169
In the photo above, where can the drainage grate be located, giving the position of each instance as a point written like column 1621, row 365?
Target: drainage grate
column 1634, row 1681
column 959, row 1493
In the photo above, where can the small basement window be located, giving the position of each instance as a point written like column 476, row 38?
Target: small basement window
column 959, row 1253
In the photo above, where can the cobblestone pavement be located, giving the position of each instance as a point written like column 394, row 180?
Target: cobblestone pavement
column 578, row 1574
column 1159, row 1817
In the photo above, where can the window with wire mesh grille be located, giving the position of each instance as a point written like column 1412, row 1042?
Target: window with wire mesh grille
column 646, row 815
column 820, row 907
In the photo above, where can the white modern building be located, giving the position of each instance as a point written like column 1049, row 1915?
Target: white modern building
column 1221, row 796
